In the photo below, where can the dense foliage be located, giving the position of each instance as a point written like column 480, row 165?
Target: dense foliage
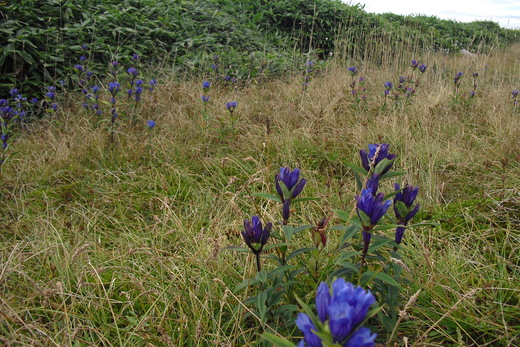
column 38, row 38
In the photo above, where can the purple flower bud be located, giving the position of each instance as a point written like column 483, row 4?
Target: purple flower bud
column 423, row 68
column 414, row 63
column 151, row 124
column 353, row 70
column 205, row 98
column 206, row 85
column 388, row 85
column 82, row 58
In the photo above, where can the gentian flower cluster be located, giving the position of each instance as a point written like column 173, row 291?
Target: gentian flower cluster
column 113, row 89
column 288, row 186
column 205, row 88
column 340, row 315
column 457, row 79
column 514, row 94
column 388, row 85
column 404, row 209
column 375, row 161
column 308, row 71
column 50, row 96
column 215, row 66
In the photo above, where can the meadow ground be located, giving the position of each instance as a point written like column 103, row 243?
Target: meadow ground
column 122, row 244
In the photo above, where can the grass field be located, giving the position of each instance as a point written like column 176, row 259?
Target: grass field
column 123, row 243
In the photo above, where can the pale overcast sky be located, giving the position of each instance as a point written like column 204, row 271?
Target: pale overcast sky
column 504, row 12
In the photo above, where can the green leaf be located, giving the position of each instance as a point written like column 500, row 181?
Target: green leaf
column 261, row 276
column 383, row 277
column 357, row 168
column 401, row 208
column 304, row 199
column 244, row 284
column 385, row 227
column 351, row 231
column 279, row 269
column 392, row 174
column 277, row 341
column 343, row 215
column 262, row 308
column 288, row 231
column 236, row 249
column 382, row 165
column 298, row 252
column 268, row 196
column 344, row 255
column 378, row 243
column 277, row 245
column 365, row 219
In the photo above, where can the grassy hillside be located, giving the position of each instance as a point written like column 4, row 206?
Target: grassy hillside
column 114, row 232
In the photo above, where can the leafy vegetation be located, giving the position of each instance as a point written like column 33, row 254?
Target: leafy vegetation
column 39, row 37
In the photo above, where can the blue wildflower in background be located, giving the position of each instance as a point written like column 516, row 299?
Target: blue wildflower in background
column 153, row 84
column 231, row 106
column 352, row 70
column 204, row 98
column 340, row 315
column 414, row 63
column 388, row 85
column 422, row 68
column 151, row 124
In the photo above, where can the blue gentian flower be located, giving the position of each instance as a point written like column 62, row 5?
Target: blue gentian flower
column 340, row 315
column 388, row 85
column 153, row 84
column 515, row 93
column 113, row 88
column 404, row 209
column 205, row 98
column 352, row 70
column 373, row 183
column 84, row 47
column 291, row 180
column 376, row 153
column 415, row 63
column 78, row 67
column 206, row 85
column 132, row 72
column 151, row 124
column 371, row 208
column 231, row 105
column 135, row 57
column 255, row 235
column 308, row 329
